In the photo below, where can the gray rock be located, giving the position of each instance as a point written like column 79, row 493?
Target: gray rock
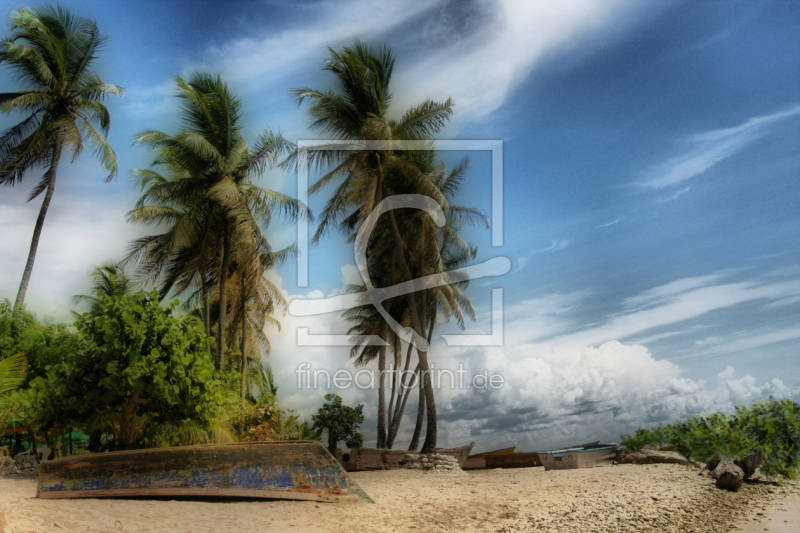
column 750, row 464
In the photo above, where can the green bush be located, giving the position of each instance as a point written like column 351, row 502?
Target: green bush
column 770, row 427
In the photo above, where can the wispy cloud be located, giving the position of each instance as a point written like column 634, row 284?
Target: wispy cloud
column 555, row 246
column 479, row 69
column 709, row 148
column 476, row 65
column 607, row 224
column 674, row 196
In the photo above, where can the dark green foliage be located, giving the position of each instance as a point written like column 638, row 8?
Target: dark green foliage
column 20, row 332
column 771, row 427
column 340, row 421
column 137, row 364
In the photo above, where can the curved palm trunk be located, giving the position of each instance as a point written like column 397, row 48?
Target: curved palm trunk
column 402, row 406
column 223, row 296
column 429, row 446
column 37, row 230
column 412, row 447
column 244, row 343
column 381, row 440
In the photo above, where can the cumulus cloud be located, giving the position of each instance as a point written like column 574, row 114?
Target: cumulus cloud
column 565, row 397
column 566, row 382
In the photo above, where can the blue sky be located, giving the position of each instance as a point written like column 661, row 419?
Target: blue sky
column 652, row 159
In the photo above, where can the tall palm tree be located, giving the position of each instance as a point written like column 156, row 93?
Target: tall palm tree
column 358, row 110
column 51, row 51
column 208, row 201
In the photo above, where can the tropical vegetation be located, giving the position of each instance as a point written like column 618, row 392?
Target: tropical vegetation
column 170, row 346
column 769, row 427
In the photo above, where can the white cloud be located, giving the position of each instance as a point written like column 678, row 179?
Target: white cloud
column 607, row 224
column 709, row 148
column 555, row 246
column 79, row 233
column 479, row 69
column 582, row 384
column 476, row 65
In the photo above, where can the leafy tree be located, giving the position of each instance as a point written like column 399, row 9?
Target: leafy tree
column 43, row 345
column 135, row 359
column 12, row 374
column 340, row 421
column 51, row 51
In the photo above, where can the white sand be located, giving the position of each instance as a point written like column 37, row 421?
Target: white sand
column 636, row 498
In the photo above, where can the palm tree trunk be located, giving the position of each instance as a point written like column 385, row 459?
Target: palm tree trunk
column 37, row 229
column 405, row 391
column 206, row 306
column 244, row 343
column 412, row 447
column 429, row 446
column 223, row 296
column 393, row 390
column 381, row 440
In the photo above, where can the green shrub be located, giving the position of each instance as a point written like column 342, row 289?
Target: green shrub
column 770, row 427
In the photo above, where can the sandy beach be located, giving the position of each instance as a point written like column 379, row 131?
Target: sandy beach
column 614, row 498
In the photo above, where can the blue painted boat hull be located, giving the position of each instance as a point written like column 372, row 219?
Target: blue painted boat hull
column 296, row 470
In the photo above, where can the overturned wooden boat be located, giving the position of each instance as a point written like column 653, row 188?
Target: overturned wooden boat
column 292, row 470
column 358, row 459
column 521, row 460
column 478, row 460
column 582, row 457
column 513, row 460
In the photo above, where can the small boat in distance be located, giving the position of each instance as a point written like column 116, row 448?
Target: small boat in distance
column 582, row 457
column 292, row 470
column 513, row 460
column 478, row 460
column 361, row 458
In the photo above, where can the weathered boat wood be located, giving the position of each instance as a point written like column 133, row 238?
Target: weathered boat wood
column 513, row 460
column 358, row 459
column 493, row 452
column 478, row 460
column 293, row 470
column 583, row 457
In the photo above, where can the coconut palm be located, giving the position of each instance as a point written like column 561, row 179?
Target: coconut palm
column 208, row 200
column 358, row 111
column 51, row 51
column 109, row 279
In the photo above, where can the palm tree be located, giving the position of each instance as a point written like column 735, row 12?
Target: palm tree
column 51, row 51
column 358, row 111
column 109, row 279
column 208, row 200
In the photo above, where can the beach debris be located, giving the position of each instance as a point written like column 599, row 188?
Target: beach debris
column 750, row 463
column 728, row 475
column 433, row 463
column 58, row 525
column 4, row 527
column 8, row 467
